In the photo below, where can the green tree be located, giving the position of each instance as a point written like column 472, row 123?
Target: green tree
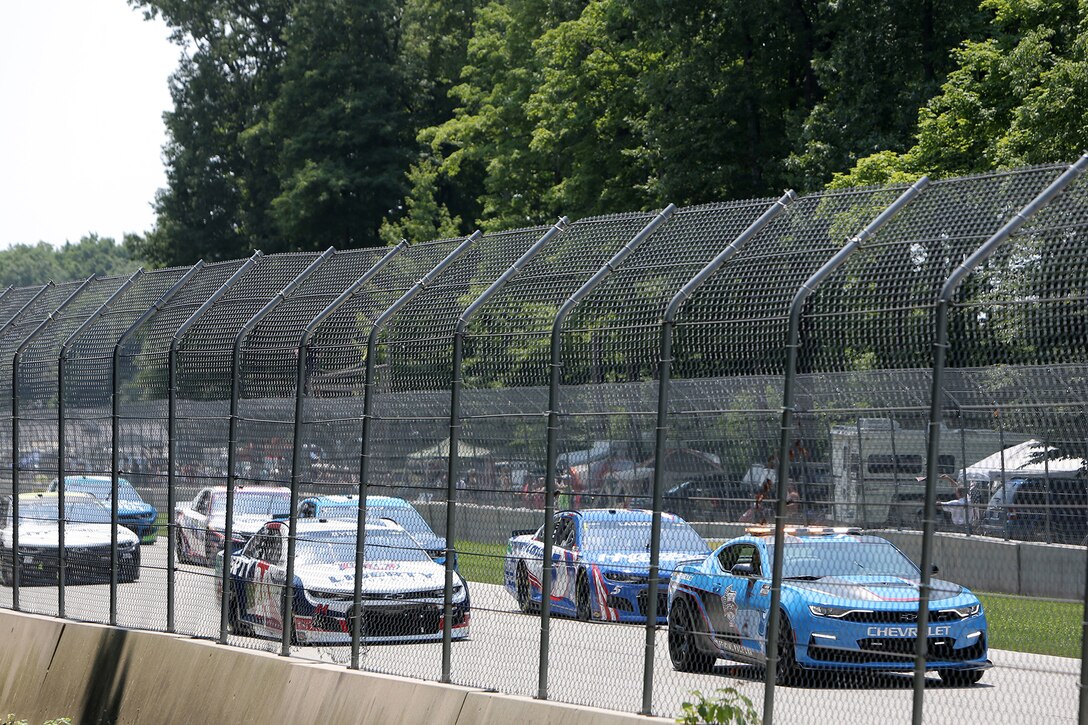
column 1019, row 96
column 340, row 125
column 875, row 64
column 23, row 265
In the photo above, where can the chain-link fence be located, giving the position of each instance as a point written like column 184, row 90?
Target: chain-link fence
column 559, row 461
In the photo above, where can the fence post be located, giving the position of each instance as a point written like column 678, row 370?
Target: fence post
column 553, row 431
column 15, row 454
column 171, row 428
column 23, row 345
column 455, row 429
column 235, row 394
column 62, row 361
column 784, row 442
column 364, row 444
column 668, row 322
column 936, row 412
column 115, row 411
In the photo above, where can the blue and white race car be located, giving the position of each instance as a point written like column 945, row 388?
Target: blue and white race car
column 402, row 589
column 849, row 602
column 132, row 511
column 600, row 563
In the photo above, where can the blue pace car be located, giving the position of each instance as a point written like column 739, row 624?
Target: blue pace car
column 849, row 603
column 600, row 563
column 132, row 511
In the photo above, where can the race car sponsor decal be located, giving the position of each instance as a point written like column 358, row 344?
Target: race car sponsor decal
column 729, row 605
column 607, row 613
column 765, row 590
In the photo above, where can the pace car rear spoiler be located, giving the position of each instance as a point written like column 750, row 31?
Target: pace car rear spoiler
column 522, row 532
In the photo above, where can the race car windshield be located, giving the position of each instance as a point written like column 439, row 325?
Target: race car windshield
column 102, row 489
column 408, row 518
column 806, row 560
column 249, row 503
column 339, row 548
column 79, row 511
column 635, row 536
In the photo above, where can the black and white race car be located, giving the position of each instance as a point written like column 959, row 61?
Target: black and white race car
column 87, row 541
column 402, row 588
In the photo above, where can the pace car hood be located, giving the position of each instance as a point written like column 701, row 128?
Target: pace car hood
column 876, row 588
column 380, row 577
column 641, row 560
column 47, row 534
column 243, row 525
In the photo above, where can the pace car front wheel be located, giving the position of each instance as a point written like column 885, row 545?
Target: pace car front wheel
column 785, row 672
column 960, row 678
column 683, row 649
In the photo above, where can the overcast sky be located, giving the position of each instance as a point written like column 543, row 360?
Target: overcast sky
column 83, row 85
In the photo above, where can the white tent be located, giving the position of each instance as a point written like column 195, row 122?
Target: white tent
column 442, row 450
column 1021, row 460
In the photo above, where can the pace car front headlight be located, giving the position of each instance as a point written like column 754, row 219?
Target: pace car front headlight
column 968, row 611
column 822, row 610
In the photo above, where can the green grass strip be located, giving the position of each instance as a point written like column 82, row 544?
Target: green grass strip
column 1039, row 626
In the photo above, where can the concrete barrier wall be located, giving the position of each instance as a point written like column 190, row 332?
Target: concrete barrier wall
column 93, row 673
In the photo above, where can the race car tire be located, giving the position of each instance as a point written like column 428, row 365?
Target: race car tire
column 179, row 546
column 210, row 550
column 684, row 652
column 786, row 669
column 521, row 586
column 582, row 608
column 235, row 623
column 960, row 678
column 131, row 572
column 7, row 574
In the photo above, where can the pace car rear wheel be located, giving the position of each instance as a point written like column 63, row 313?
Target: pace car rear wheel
column 683, row 649
column 960, row 678
column 521, row 584
column 583, row 610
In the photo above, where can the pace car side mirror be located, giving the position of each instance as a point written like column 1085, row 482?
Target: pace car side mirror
column 934, row 569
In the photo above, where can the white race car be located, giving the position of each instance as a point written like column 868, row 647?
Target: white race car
column 87, row 545
column 201, row 523
column 402, row 588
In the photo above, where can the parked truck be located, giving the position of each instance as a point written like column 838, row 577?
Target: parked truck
column 878, row 468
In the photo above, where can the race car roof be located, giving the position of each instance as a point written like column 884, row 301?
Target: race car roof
column 621, row 515
column 345, row 500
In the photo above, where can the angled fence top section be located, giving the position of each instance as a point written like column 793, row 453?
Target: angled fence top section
column 735, row 324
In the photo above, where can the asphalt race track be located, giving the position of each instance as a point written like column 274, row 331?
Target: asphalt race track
column 596, row 664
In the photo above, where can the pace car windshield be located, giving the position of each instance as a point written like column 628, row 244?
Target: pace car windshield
column 339, row 547
column 634, row 536
column 255, row 503
column 818, row 559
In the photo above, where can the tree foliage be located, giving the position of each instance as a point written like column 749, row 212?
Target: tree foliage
column 24, row 265
column 303, row 123
column 1018, row 96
